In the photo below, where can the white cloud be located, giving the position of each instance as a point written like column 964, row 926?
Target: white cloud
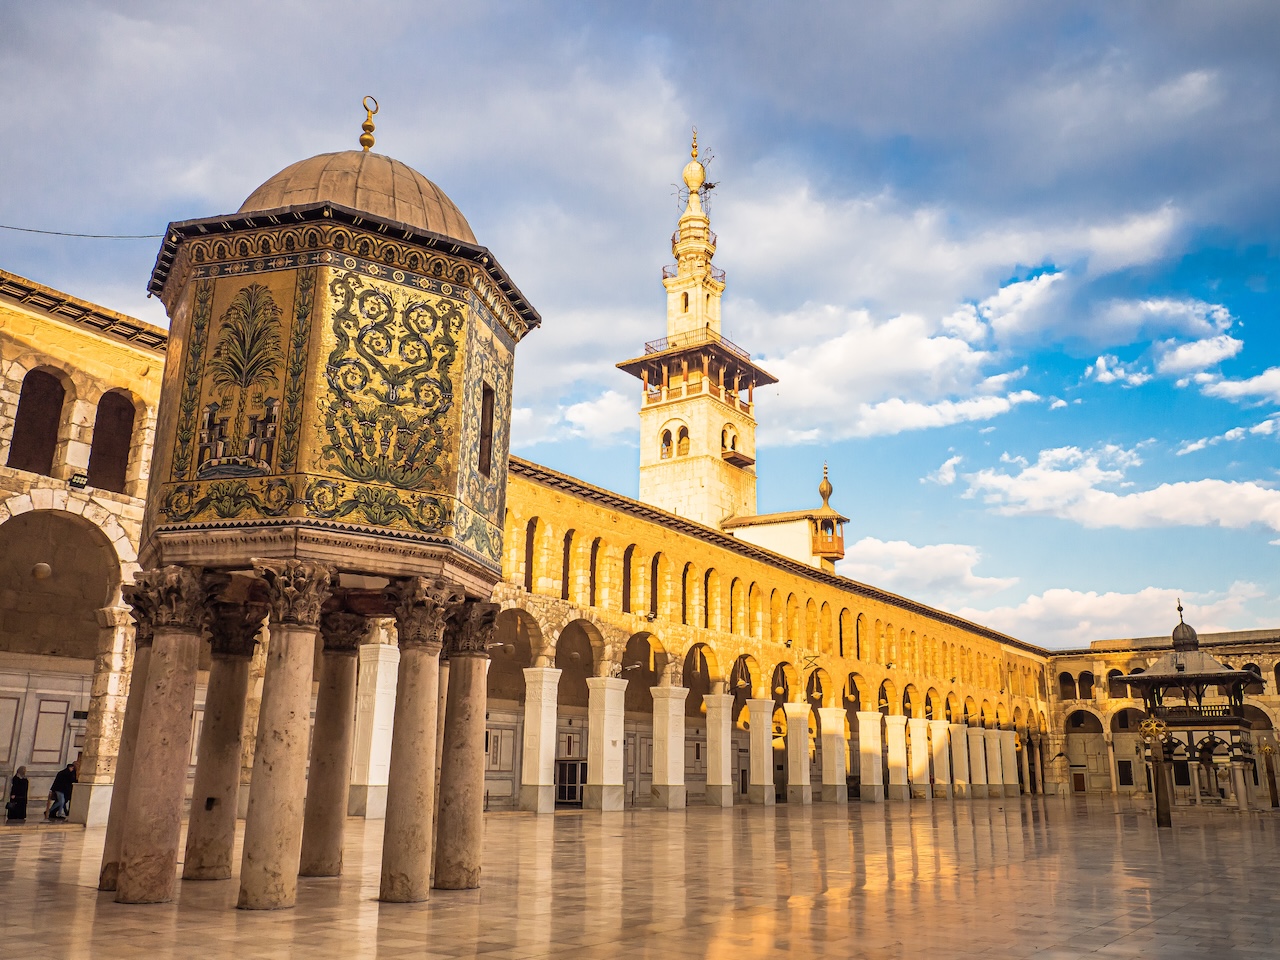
column 1264, row 387
column 1266, row 428
column 607, row 419
column 1073, row 618
column 1070, row 483
column 940, row 572
column 1124, row 321
column 1109, row 369
column 945, row 475
column 1174, row 359
column 1058, row 404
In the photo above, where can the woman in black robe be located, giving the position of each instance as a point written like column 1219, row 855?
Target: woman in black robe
column 16, row 808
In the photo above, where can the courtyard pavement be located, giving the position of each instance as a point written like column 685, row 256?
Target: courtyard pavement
column 992, row 879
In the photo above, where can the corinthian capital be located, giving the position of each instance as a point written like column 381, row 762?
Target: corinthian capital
column 296, row 589
column 470, row 631
column 173, row 596
column 142, row 609
column 343, row 631
column 423, row 608
column 234, row 627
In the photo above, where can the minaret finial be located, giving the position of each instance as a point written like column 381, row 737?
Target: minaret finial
column 825, row 489
column 1180, row 620
column 366, row 138
column 694, row 151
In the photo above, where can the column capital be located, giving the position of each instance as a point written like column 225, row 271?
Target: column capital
column 233, row 628
column 608, row 683
column 469, row 631
column 342, row 632
column 793, row 709
column 422, row 609
column 296, row 589
column 113, row 617
column 173, row 596
column 896, row 720
column 670, row 693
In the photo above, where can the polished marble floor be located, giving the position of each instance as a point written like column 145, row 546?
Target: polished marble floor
column 992, row 879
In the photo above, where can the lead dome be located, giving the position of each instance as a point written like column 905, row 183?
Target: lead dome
column 369, row 182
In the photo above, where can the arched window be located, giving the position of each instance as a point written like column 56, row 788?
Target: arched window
column 684, row 302
column 112, row 436
column 685, row 591
column 566, row 568
column 1085, row 685
column 666, row 444
column 35, row 426
column 654, row 572
column 591, row 580
column 628, row 557
column 682, row 442
column 1066, row 686
column 530, row 551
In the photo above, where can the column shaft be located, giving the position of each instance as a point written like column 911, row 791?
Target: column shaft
column 760, row 786
column 211, row 828
column 895, row 728
column 870, row 756
column 1025, row 760
column 538, row 764
column 918, row 729
column 605, row 705
column 1009, row 761
column 153, row 817
column 91, row 798
column 460, row 828
column 960, row 776
column 799, row 780
column 977, row 763
column 328, row 779
column 995, row 771
column 720, row 786
column 835, row 784
column 668, row 789
column 375, row 710
column 939, row 743
column 124, row 766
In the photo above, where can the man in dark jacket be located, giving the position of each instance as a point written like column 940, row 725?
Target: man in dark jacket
column 60, row 792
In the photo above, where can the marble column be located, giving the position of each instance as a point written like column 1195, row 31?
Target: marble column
column 960, row 778
column 720, row 785
column 941, row 748
column 324, row 819
column 422, row 609
column 1238, row 784
column 1113, row 774
column 157, row 787
column 799, row 780
column 668, row 789
column 377, row 665
column 995, row 772
column 211, row 828
column 870, row 756
column 460, row 824
column 895, row 737
column 1024, row 759
column 918, row 729
column 760, row 786
column 977, row 763
column 606, row 699
column 835, row 782
column 142, row 617
column 538, row 763
column 108, row 693
column 1009, row 761
column 296, row 590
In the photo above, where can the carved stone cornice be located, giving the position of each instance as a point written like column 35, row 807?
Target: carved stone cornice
column 423, row 608
column 175, row 596
column 296, row 589
column 343, row 631
column 234, row 627
column 470, row 631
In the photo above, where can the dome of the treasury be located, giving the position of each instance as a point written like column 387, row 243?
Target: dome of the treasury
column 368, row 182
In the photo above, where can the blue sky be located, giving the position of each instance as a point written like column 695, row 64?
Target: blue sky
column 1015, row 265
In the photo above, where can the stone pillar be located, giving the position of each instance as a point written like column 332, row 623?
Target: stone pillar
column 1113, row 774
column 1057, row 768
column 324, row 819
column 157, row 786
column 1238, row 783
column 870, row 757
column 1025, row 760
column 835, row 783
column 375, row 709
column 895, row 736
column 460, row 827
column 977, row 763
column 799, row 781
column 668, row 788
column 941, row 748
column 211, row 828
column 760, row 786
column 605, row 704
column 538, row 764
column 143, row 631
column 960, row 776
column 1009, row 761
column 995, row 774
column 720, row 786
column 919, row 731
column 296, row 589
column 91, row 798
column 422, row 609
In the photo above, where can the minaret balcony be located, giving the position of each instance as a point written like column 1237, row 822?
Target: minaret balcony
column 830, row 545
column 695, row 388
column 693, row 338
column 672, row 270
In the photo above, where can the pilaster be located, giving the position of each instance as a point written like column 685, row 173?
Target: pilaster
column 871, row 756
column 606, row 698
column 835, row 784
column 668, row 788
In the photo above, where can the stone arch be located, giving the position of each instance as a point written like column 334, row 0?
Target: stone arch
column 629, row 578
column 970, row 713
column 111, row 450
column 659, row 576
column 857, row 692
column 987, row 715
column 826, row 633
column 812, row 628
column 712, row 601
column 935, row 706
column 1066, row 686
column 954, row 709
column 1084, row 720
column 912, row 702
column 580, row 653
column 1256, row 709
column 1084, row 685
column 777, row 622
column 745, row 681
column 534, row 530
column 700, row 675
column 1002, row 716
column 737, row 607
column 644, row 661
column 820, row 689
column 46, row 392
column 517, row 643
column 755, row 599
column 887, row 699
column 793, row 628
column 1124, row 719
column 784, row 683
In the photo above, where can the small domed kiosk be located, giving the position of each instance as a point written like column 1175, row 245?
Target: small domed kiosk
column 331, row 446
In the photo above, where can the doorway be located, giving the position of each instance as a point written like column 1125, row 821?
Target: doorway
column 571, row 777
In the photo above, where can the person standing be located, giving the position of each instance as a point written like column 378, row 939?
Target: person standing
column 60, row 792
column 16, row 808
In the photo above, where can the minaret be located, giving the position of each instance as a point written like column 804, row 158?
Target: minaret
column 697, row 423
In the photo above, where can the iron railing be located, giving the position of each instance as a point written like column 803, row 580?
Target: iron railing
column 693, row 338
column 673, row 270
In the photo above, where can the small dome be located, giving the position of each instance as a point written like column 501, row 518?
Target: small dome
column 694, row 174
column 368, row 182
column 1184, row 635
